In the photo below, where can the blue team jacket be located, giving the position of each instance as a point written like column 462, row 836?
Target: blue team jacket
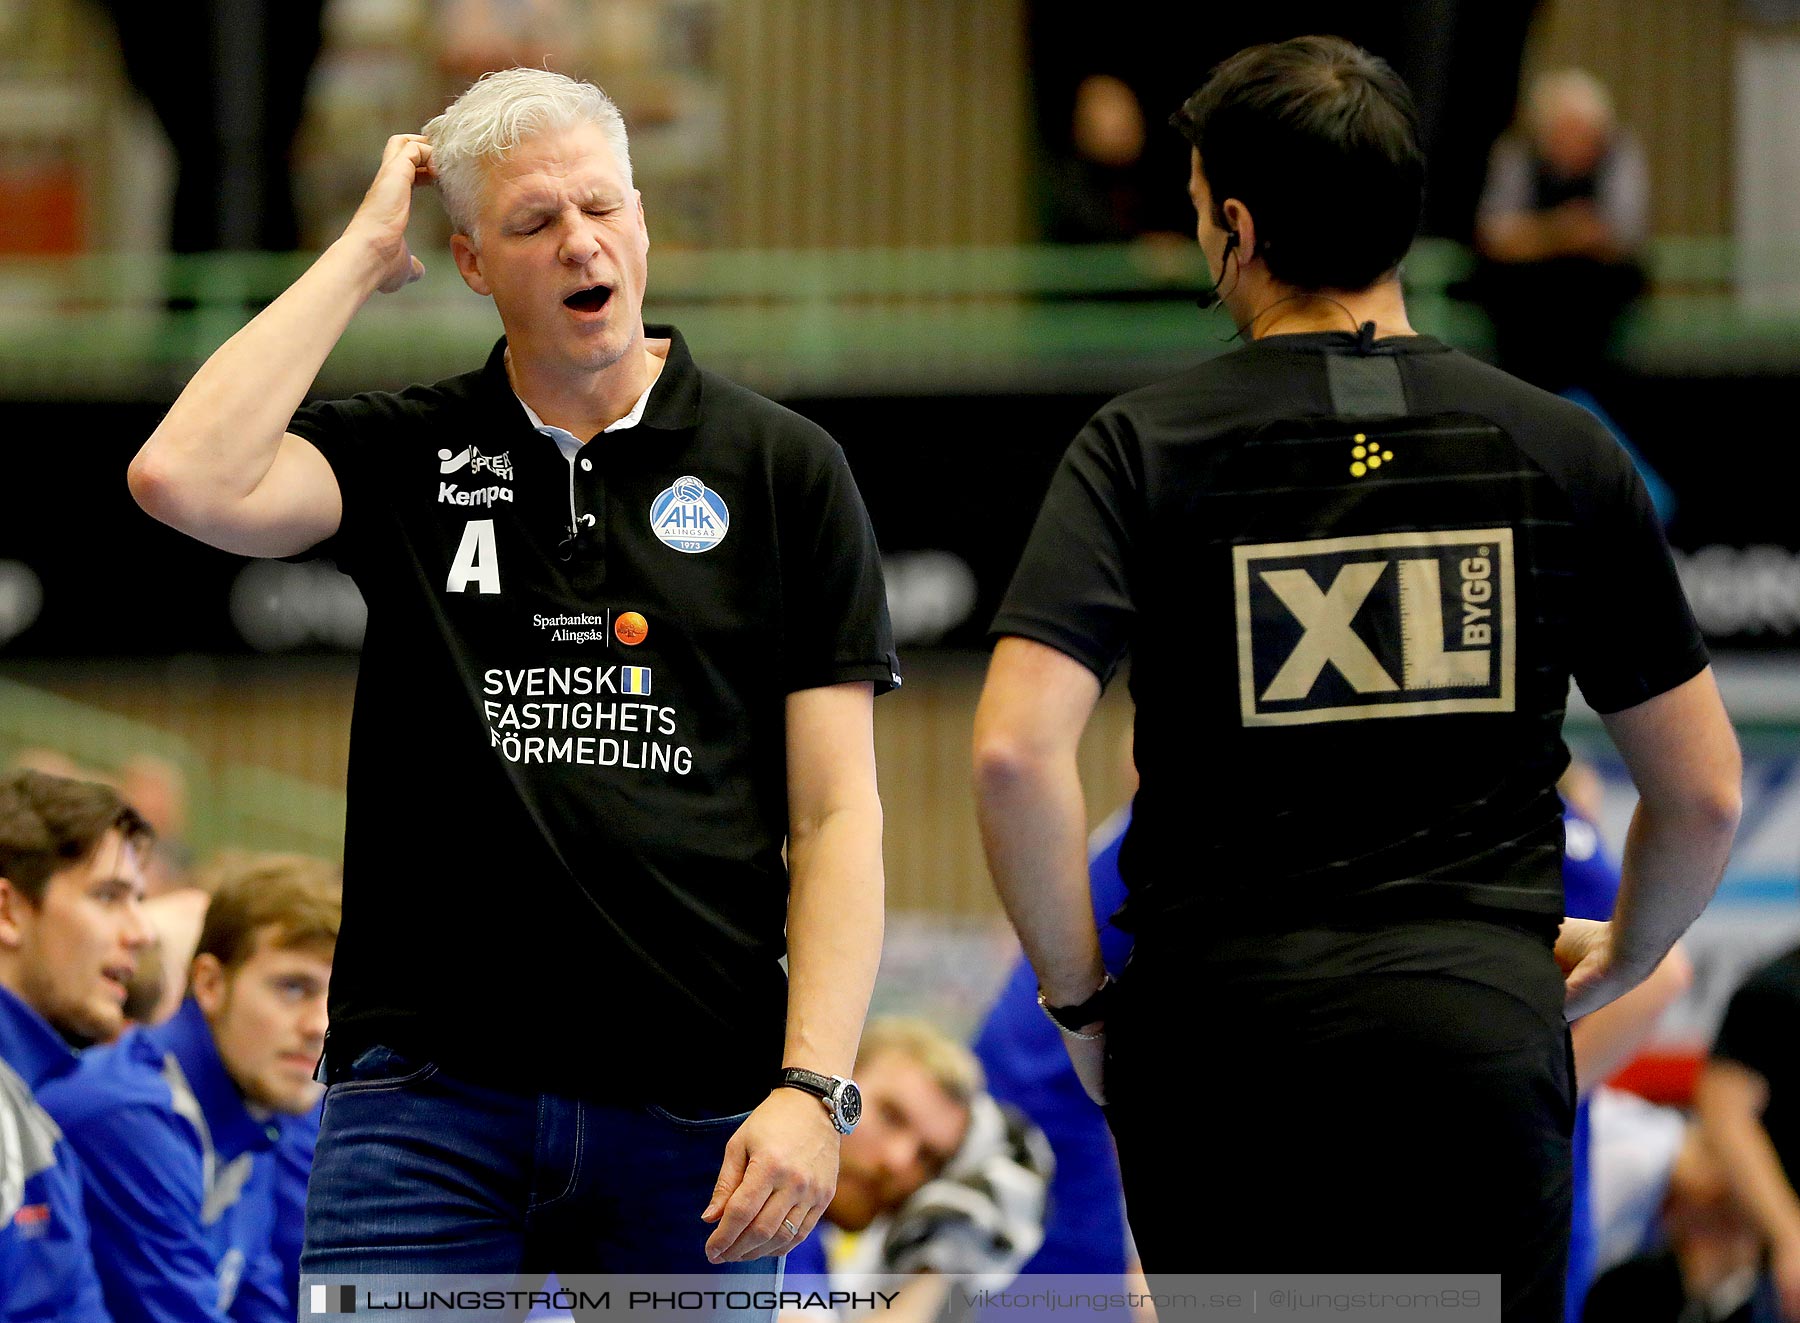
column 293, row 1165
column 46, row 1259
column 178, row 1175
column 1022, row 1054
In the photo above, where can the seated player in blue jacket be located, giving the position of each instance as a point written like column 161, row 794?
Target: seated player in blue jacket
column 1022, row 1052
column 71, row 930
column 938, row 1185
column 176, row 1125
column 293, row 1166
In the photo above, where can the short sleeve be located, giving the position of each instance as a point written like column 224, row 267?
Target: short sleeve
column 337, row 429
column 1635, row 636
column 1072, row 590
column 834, row 597
column 1759, row 1026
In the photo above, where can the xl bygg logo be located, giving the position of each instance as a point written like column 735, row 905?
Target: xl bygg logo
column 1390, row 625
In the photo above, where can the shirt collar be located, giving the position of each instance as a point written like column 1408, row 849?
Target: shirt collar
column 674, row 404
column 567, row 441
column 228, row 1119
column 35, row 1051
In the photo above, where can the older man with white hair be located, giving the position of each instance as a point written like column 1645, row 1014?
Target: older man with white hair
column 1563, row 216
column 626, row 626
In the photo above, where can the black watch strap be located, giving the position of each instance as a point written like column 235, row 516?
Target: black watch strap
column 808, row 1081
column 1078, row 1017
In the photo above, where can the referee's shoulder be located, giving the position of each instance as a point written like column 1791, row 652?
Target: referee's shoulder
column 1522, row 399
column 1214, row 389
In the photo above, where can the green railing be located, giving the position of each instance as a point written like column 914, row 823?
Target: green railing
column 1027, row 318
column 236, row 805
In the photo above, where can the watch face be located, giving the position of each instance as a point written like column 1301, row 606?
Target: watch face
column 850, row 1105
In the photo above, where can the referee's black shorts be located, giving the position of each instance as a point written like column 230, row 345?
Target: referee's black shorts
column 1376, row 1121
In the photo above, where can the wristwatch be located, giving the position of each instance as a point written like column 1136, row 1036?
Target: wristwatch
column 842, row 1099
column 1073, row 1019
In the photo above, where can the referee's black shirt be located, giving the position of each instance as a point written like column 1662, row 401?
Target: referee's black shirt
column 1353, row 586
column 567, row 786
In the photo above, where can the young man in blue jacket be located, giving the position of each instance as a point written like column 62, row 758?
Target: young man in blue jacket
column 176, row 1125
column 71, row 884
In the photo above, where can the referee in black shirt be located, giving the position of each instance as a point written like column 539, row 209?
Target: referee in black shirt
column 1355, row 572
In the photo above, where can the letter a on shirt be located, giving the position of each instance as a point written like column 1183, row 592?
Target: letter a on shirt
column 477, row 560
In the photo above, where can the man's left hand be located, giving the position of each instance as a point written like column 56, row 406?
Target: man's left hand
column 1593, row 974
column 780, row 1166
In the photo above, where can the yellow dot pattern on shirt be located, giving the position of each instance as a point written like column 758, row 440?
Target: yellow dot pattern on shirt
column 1366, row 458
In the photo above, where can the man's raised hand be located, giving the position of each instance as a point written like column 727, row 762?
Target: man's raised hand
column 381, row 219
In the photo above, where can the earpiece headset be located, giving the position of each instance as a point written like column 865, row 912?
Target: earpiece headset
column 1211, row 298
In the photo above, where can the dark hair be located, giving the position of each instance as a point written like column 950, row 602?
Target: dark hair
column 295, row 900
column 49, row 823
column 1320, row 140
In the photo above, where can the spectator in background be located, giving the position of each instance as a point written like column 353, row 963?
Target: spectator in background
column 160, row 983
column 174, row 1125
column 71, row 882
column 1708, row 1272
column 1562, row 219
column 228, row 84
column 938, row 1183
column 1097, row 191
column 1748, row 1102
column 157, row 789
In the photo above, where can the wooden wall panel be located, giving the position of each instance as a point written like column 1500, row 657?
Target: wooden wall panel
column 867, row 123
column 1669, row 65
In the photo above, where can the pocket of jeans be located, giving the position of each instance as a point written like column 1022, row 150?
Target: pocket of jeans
column 383, row 1068
column 697, row 1122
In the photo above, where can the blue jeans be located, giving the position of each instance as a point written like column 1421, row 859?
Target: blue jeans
column 420, row 1173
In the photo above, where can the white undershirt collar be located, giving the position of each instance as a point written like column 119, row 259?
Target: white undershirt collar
column 567, row 441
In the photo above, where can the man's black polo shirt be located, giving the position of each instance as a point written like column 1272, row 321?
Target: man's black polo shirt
column 1354, row 581
column 567, row 786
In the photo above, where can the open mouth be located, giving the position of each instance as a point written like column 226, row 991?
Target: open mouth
column 592, row 299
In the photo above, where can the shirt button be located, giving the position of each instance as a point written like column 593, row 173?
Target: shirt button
column 587, row 465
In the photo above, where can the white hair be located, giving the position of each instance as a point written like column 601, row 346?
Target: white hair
column 1570, row 92
column 499, row 112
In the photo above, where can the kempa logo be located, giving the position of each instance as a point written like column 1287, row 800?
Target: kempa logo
column 1390, row 625
column 472, row 459
column 450, row 494
column 333, row 1299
